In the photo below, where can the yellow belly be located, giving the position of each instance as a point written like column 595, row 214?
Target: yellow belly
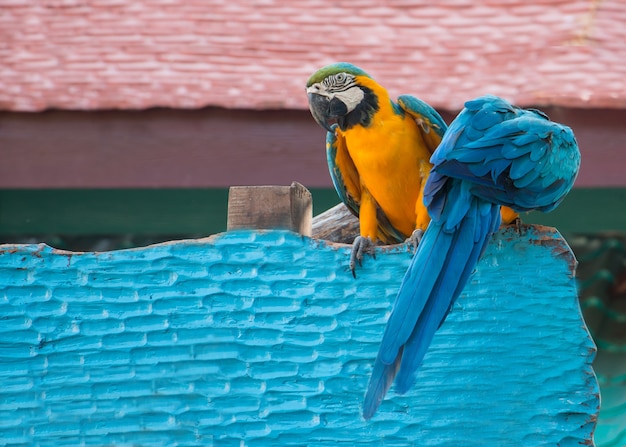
column 390, row 157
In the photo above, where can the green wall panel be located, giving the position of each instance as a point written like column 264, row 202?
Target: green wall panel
column 203, row 211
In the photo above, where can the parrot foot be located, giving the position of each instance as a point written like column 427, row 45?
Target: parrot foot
column 360, row 246
column 414, row 239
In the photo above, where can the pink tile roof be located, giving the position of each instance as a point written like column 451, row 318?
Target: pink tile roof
column 99, row 54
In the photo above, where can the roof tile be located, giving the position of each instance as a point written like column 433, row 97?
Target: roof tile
column 538, row 52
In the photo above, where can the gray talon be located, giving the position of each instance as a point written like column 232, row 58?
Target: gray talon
column 360, row 246
column 415, row 238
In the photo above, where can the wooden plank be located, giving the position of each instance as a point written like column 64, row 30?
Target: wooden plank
column 270, row 207
column 162, row 148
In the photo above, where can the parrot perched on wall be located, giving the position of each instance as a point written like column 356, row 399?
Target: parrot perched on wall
column 378, row 153
column 492, row 155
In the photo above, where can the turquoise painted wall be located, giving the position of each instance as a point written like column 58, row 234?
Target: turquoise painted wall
column 264, row 338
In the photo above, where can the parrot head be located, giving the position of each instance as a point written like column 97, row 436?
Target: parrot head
column 338, row 94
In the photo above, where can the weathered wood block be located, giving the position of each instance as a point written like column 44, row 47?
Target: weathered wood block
column 271, row 208
column 260, row 338
column 336, row 224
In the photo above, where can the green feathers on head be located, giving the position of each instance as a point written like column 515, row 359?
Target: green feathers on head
column 339, row 67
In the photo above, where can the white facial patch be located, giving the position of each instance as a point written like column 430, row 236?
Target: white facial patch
column 350, row 97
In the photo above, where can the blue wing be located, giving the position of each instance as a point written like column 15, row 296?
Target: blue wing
column 513, row 157
column 343, row 173
column 432, row 126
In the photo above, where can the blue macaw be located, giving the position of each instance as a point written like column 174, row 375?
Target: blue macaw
column 378, row 153
column 493, row 154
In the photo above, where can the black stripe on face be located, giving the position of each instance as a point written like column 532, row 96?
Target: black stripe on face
column 339, row 82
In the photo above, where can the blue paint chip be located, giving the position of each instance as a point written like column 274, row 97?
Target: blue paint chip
column 264, row 338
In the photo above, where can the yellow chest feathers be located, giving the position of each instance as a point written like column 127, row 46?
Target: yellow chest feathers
column 391, row 145
column 392, row 163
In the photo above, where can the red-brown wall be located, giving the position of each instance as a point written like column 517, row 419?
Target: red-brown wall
column 215, row 147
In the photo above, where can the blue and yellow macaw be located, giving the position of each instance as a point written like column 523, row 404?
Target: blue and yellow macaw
column 492, row 155
column 378, row 153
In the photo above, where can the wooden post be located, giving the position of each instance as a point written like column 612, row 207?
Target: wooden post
column 270, row 207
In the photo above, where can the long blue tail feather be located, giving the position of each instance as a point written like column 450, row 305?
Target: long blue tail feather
column 461, row 262
column 430, row 257
column 380, row 382
column 409, row 307
column 436, row 276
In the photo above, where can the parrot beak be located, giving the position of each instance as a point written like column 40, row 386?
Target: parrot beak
column 319, row 105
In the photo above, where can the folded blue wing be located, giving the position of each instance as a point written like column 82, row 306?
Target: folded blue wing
column 513, row 157
column 336, row 175
column 422, row 111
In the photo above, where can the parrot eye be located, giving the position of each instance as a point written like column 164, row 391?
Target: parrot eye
column 338, row 81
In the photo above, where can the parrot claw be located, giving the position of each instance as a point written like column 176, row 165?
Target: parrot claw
column 415, row 238
column 360, row 246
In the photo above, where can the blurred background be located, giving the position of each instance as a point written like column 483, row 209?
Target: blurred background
column 124, row 123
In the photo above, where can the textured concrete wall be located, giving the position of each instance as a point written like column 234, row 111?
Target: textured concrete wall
column 264, row 338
